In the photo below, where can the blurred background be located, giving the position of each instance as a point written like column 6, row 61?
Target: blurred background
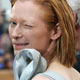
column 6, row 49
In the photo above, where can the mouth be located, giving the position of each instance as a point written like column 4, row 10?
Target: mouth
column 20, row 45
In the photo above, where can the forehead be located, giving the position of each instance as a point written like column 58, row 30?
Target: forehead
column 27, row 9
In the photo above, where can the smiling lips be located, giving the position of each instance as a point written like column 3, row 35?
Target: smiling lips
column 20, row 45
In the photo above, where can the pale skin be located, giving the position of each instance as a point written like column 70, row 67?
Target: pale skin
column 28, row 30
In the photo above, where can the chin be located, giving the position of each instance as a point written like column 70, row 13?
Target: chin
column 16, row 52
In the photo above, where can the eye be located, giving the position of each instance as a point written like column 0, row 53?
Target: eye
column 27, row 26
column 12, row 23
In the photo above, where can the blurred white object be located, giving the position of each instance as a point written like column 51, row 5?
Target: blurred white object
column 5, row 4
column 74, row 4
column 8, row 14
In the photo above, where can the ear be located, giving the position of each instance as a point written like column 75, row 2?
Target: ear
column 56, row 32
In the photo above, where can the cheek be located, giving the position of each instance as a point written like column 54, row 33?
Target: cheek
column 36, row 35
column 38, row 40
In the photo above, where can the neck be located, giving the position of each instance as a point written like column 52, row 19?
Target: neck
column 56, row 65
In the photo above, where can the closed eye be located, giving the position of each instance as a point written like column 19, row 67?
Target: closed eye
column 27, row 26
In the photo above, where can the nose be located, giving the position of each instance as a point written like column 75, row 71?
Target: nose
column 17, row 32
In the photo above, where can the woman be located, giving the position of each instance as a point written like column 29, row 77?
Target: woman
column 47, row 26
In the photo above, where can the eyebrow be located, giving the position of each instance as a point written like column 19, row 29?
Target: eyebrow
column 10, row 18
column 13, row 18
column 22, row 21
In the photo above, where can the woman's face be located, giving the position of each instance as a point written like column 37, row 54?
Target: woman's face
column 27, row 28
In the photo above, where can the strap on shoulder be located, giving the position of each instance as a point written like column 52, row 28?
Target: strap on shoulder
column 52, row 75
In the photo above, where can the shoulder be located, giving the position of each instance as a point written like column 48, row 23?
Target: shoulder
column 39, row 77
